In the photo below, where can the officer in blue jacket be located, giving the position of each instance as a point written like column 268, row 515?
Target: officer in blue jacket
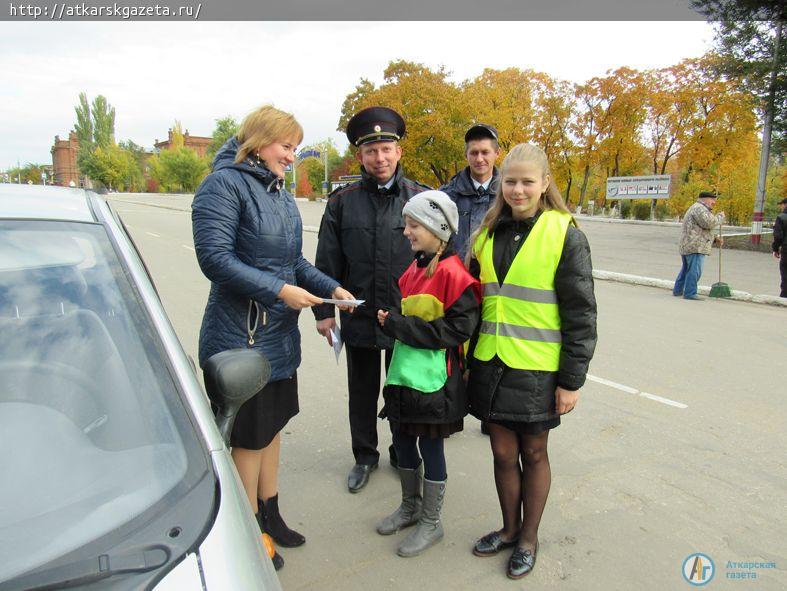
column 473, row 188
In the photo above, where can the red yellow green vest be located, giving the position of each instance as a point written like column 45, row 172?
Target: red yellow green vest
column 428, row 298
column 520, row 321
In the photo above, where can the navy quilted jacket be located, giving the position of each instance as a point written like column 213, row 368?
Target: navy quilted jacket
column 248, row 238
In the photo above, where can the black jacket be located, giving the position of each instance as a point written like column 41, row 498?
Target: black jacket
column 780, row 233
column 499, row 392
column 449, row 404
column 361, row 244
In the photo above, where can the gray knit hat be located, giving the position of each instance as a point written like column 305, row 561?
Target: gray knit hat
column 435, row 211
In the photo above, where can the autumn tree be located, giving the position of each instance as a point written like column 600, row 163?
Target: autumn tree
column 224, row 130
column 504, row 99
column 178, row 168
column 430, row 106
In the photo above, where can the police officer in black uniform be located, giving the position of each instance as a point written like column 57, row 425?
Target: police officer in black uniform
column 362, row 245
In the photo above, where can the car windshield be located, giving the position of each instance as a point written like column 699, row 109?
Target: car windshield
column 93, row 434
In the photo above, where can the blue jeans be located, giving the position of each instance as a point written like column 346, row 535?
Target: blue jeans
column 689, row 275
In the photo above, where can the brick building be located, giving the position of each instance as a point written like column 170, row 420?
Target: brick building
column 64, row 160
column 64, row 156
column 195, row 142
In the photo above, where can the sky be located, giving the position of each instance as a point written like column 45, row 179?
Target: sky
column 197, row 72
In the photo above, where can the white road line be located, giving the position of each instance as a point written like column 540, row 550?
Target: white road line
column 187, row 247
column 630, row 390
column 663, row 400
column 621, row 387
column 153, row 234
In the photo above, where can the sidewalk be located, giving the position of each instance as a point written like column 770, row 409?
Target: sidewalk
column 627, row 251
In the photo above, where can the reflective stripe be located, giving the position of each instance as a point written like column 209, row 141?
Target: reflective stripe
column 528, row 333
column 517, row 292
column 488, row 327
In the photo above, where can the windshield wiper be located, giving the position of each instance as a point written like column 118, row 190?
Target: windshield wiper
column 89, row 570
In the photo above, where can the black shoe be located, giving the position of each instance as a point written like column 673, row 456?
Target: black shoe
column 277, row 560
column 271, row 523
column 392, row 457
column 359, row 476
column 492, row 543
column 521, row 562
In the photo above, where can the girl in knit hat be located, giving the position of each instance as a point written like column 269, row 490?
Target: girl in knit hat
column 424, row 391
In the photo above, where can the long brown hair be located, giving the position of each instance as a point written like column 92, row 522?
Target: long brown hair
column 551, row 199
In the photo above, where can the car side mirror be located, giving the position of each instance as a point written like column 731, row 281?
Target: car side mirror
column 231, row 378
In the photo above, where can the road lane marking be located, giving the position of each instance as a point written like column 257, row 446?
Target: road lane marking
column 663, row 400
column 186, row 246
column 153, row 234
column 611, row 384
column 630, row 390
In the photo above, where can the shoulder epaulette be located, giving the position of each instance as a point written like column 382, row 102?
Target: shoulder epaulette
column 416, row 184
column 342, row 190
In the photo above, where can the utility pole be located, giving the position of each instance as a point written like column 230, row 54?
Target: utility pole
column 759, row 201
column 325, row 182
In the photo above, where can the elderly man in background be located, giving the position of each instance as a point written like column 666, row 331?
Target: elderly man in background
column 696, row 241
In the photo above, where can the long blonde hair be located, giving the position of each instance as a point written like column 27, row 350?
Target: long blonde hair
column 550, row 199
column 432, row 266
column 264, row 126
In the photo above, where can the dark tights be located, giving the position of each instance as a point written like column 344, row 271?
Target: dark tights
column 522, row 477
column 431, row 451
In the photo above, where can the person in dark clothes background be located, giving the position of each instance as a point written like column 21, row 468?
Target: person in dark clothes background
column 779, row 242
column 473, row 188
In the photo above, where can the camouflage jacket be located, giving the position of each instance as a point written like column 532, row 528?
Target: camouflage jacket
column 699, row 224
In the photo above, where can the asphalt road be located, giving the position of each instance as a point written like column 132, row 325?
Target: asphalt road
column 673, row 449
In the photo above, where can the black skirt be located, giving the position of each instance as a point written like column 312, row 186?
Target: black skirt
column 428, row 430
column 529, row 428
column 265, row 414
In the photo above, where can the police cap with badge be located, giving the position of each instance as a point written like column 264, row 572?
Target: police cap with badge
column 375, row 124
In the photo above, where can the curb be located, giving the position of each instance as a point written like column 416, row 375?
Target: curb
column 148, row 204
column 739, row 296
column 603, row 220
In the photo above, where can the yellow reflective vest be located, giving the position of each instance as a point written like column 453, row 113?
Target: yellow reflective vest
column 520, row 321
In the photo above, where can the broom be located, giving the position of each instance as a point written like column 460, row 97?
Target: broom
column 719, row 289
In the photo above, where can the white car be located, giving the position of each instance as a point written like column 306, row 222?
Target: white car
column 114, row 473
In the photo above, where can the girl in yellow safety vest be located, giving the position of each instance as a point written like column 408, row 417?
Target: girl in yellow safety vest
column 534, row 344
column 425, row 398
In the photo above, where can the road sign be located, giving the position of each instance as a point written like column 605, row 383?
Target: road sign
column 309, row 154
column 639, row 187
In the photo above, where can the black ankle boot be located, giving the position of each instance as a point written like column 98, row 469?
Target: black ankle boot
column 276, row 559
column 272, row 524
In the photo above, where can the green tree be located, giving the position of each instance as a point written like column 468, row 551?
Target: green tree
column 84, row 124
column 748, row 34
column 95, row 127
column 113, row 167
column 224, row 130
column 29, row 173
column 178, row 168
column 103, row 122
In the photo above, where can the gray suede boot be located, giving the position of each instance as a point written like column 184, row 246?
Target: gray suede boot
column 409, row 511
column 429, row 530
